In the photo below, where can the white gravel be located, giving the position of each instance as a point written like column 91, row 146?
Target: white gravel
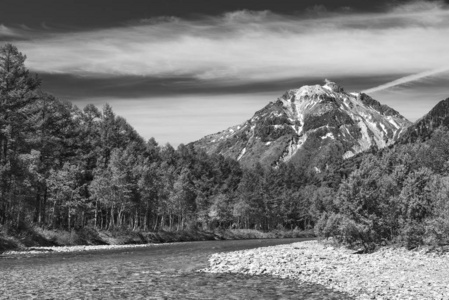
column 386, row 274
column 37, row 250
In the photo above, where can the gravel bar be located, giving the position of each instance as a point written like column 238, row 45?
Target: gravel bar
column 389, row 273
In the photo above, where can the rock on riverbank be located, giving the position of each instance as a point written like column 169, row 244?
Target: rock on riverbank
column 386, row 274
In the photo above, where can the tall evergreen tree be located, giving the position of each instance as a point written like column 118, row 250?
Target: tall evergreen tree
column 17, row 89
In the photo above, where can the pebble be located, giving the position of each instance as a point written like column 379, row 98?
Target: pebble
column 389, row 273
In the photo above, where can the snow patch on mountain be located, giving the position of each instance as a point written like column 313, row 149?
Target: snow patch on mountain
column 311, row 118
column 241, row 154
column 328, row 135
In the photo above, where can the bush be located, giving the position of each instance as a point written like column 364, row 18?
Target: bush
column 327, row 226
column 437, row 231
column 411, row 234
column 346, row 231
column 7, row 242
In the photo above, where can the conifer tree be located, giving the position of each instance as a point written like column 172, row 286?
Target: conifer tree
column 17, row 88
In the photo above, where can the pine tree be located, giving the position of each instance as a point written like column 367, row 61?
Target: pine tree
column 17, row 88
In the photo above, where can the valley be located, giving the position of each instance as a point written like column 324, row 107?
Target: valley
column 352, row 170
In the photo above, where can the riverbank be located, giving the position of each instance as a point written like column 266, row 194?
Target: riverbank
column 389, row 273
column 156, row 271
column 36, row 237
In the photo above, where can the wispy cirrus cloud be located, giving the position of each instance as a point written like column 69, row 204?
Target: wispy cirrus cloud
column 7, row 33
column 409, row 78
column 218, row 70
column 246, row 46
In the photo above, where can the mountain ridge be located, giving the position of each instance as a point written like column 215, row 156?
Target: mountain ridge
column 423, row 128
column 310, row 123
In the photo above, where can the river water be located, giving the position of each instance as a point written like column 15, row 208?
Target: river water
column 166, row 271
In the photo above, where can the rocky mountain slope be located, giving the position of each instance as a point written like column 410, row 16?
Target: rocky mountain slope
column 310, row 126
column 424, row 127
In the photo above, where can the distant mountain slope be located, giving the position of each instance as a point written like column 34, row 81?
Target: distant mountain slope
column 424, row 127
column 310, row 125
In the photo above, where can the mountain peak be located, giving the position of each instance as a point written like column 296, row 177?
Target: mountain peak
column 316, row 92
column 309, row 125
column 332, row 86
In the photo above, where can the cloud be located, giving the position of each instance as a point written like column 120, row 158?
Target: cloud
column 418, row 7
column 407, row 79
column 8, row 32
column 249, row 46
column 416, row 98
column 245, row 17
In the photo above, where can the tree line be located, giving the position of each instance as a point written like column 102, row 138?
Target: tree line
column 65, row 167
column 70, row 168
column 399, row 194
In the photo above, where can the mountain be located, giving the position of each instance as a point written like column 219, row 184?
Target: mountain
column 424, row 127
column 309, row 126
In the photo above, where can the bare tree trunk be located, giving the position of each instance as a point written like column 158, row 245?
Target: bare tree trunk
column 82, row 219
column 146, row 219
column 102, row 220
column 44, row 206
column 38, row 207
column 18, row 217
column 136, row 219
column 111, row 220
column 55, row 214
column 68, row 217
column 155, row 223
column 119, row 218
column 96, row 213
column 162, row 221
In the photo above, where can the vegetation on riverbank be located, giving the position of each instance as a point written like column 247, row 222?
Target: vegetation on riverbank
column 397, row 195
column 65, row 168
column 67, row 172
column 12, row 239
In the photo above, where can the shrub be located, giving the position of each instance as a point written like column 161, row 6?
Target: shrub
column 437, row 231
column 347, row 231
column 327, row 226
column 411, row 234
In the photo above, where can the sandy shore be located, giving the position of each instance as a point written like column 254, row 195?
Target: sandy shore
column 385, row 274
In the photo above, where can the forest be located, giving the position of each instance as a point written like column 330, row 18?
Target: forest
column 65, row 167
column 62, row 167
column 399, row 194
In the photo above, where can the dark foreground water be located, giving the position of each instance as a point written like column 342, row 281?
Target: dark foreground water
column 161, row 272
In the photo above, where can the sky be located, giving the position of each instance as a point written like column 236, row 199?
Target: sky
column 178, row 70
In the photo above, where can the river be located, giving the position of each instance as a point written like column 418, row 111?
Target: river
column 165, row 271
